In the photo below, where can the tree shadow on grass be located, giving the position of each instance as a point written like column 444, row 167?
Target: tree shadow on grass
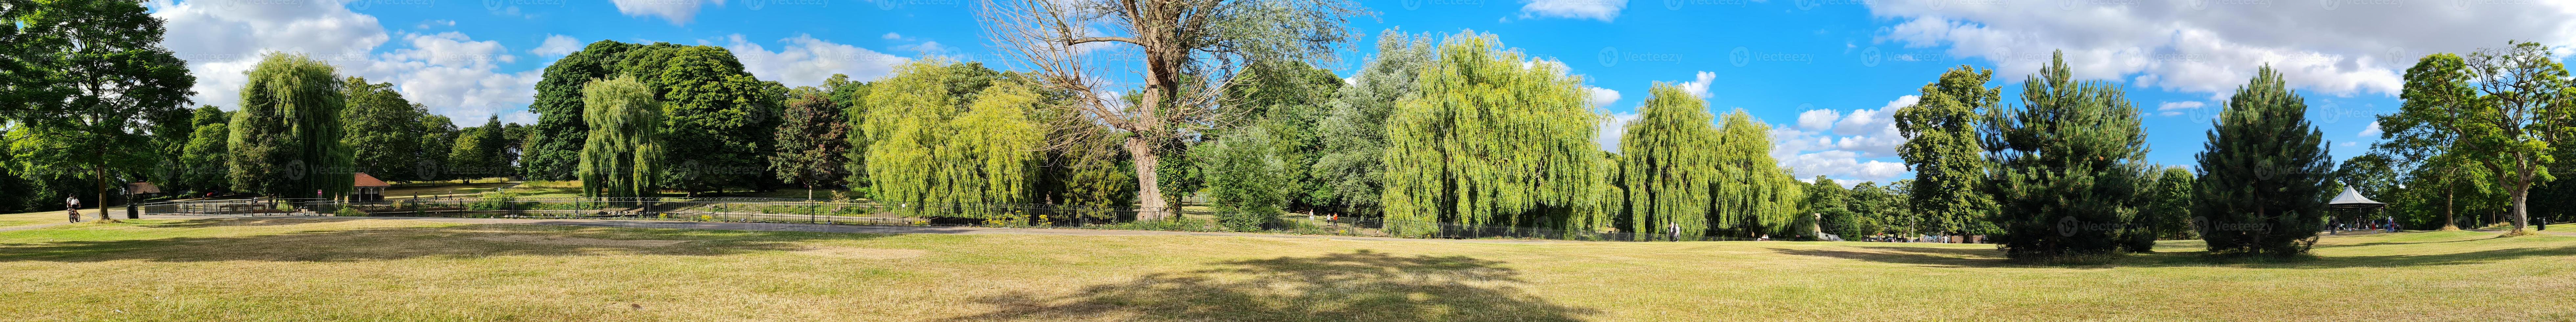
column 1970, row 258
column 1358, row 286
column 391, row 243
column 1919, row 256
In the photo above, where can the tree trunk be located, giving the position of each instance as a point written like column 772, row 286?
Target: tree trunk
column 2521, row 194
column 1149, row 190
column 2450, row 220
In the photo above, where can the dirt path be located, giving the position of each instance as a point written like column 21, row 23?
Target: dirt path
column 841, row 228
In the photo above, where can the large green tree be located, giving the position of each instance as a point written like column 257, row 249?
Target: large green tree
column 478, row 151
column 1180, row 45
column 2263, row 173
column 1941, row 147
column 623, row 152
column 1352, row 166
column 1754, row 195
column 813, row 144
column 2065, row 164
column 931, row 157
column 719, row 116
column 1493, row 140
column 1671, row 157
column 560, row 134
column 2424, row 134
column 286, row 139
column 204, row 157
column 382, row 131
column 2524, row 107
column 84, row 78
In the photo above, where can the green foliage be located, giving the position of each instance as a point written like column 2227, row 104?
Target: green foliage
column 1249, row 177
column 2263, row 173
column 438, row 136
column 2522, row 109
column 1672, row 160
column 718, row 115
column 2065, row 164
column 287, row 138
column 559, row 133
column 80, row 81
column 625, row 149
column 1353, row 132
column 382, row 132
column 2422, row 143
column 813, row 145
column 203, row 159
column 953, row 84
column 478, row 152
column 927, row 153
column 1275, row 107
column 1754, row 196
column 2166, row 213
column 1941, row 147
column 1491, row 142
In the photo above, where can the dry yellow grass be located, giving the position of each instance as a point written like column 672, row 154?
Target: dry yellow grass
column 390, row 270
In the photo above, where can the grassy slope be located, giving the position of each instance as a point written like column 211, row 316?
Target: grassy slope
column 288, row 269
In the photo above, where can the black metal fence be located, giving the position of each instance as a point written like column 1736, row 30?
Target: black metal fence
column 859, row 212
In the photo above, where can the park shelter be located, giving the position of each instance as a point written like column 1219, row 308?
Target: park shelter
column 2353, row 202
column 368, row 188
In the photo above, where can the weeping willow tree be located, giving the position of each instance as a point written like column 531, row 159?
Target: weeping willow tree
column 1492, row 140
column 1671, row 152
column 622, row 156
column 1754, row 196
column 931, row 158
column 286, row 138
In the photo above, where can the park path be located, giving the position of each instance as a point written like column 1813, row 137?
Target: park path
column 844, row 228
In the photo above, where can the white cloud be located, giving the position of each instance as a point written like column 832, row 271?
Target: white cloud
column 2337, row 48
column 1698, row 86
column 1613, row 127
column 678, row 12
column 891, row 36
column 1603, row 10
column 2369, row 131
column 928, row 48
column 806, row 61
column 2183, row 105
column 1602, row 96
column 450, row 73
column 2176, row 108
column 1848, row 146
column 557, row 45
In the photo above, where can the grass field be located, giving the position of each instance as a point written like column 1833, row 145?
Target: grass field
column 391, row 270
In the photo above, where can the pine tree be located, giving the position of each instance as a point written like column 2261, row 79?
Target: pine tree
column 2263, row 173
column 2064, row 166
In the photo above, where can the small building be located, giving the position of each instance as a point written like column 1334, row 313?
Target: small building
column 139, row 190
column 368, row 188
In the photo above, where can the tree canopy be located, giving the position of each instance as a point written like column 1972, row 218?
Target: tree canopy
column 1493, row 140
column 286, row 139
column 2262, row 185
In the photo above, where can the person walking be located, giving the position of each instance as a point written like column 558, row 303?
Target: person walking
column 71, row 204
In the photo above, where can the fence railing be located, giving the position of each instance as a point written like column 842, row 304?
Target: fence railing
column 860, row 212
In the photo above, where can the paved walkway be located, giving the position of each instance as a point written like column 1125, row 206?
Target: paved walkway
column 844, row 228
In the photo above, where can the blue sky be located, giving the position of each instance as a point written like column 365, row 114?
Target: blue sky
column 1823, row 72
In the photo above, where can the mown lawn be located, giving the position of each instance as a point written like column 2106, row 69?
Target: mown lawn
column 390, row 270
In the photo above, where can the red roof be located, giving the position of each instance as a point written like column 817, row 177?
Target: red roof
column 365, row 180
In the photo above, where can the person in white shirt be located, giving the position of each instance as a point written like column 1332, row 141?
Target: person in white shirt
column 71, row 205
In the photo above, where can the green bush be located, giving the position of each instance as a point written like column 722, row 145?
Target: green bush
column 349, row 212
